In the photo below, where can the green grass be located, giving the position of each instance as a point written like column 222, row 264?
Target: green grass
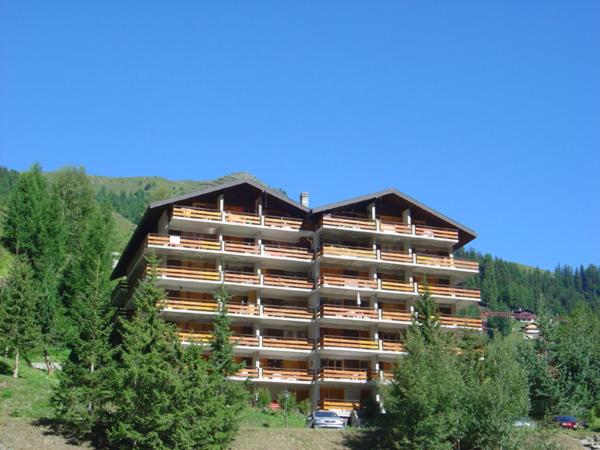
column 29, row 395
column 255, row 418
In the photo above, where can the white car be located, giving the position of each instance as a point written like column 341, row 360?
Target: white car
column 325, row 419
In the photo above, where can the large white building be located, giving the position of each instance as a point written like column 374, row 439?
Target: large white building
column 320, row 297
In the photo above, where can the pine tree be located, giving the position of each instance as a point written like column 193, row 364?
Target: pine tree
column 221, row 356
column 426, row 316
column 17, row 303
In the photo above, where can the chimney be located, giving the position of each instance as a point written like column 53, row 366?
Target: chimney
column 304, row 198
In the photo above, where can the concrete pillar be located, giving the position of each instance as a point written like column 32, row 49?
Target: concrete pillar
column 406, row 216
column 221, row 202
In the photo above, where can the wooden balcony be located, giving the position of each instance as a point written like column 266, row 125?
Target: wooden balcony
column 392, row 225
column 338, row 405
column 247, row 372
column 400, row 316
column 181, row 242
column 288, row 375
column 348, row 342
column 287, row 312
column 235, row 217
column 392, row 346
column 448, row 291
column 347, row 281
column 396, row 285
column 287, row 343
column 288, row 251
column 188, row 272
column 347, row 312
column 287, row 281
column 348, row 222
column 347, row 251
column 396, row 256
column 331, row 373
column 191, row 304
column 283, row 222
column 245, row 340
column 435, row 232
column 241, row 277
column 241, row 247
column 441, row 261
column 386, row 375
column 460, row 322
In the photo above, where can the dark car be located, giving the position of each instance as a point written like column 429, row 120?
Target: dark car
column 569, row 422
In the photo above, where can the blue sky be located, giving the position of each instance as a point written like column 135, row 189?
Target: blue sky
column 489, row 113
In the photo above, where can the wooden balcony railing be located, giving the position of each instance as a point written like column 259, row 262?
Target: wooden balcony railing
column 461, row 322
column 338, row 405
column 241, row 277
column 401, row 316
column 247, row 372
column 190, row 212
column 283, row 222
column 353, row 312
column 349, row 222
column 243, row 218
column 396, row 256
column 387, row 375
column 332, row 373
column 288, row 343
column 396, row 285
column 287, row 281
column 347, row 281
column 348, row 342
column 341, row 250
column 287, row 251
column 198, row 337
column 442, row 261
column 245, row 340
column 181, row 242
column 287, row 312
column 435, row 232
column 392, row 346
column 242, row 247
column 450, row 291
column 188, row 272
column 287, row 374
column 390, row 225
column 191, row 304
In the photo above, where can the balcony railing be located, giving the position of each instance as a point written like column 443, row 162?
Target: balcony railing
column 181, row 242
column 287, row 281
column 190, row 212
column 232, row 276
column 342, row 250
column 287, row 374
column 247, row 372
column 292, row 312
column 193, row 273
column 287, row 343
column 388, row 225
column 396, row 256
column 448, row 291
column 347, row 281
column 348, row 342
column 245, row 340
column 443, row 261
column 338, row 405
column 460, row 322
column 204, row 337
column 332, row 373
column 396, row 285
column 392, row 346
column 400, row 316
column 287, row 251
column 353, row 312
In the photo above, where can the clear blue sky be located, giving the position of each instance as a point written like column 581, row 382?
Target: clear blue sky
column 488, row 113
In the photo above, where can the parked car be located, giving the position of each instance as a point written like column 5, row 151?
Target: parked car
column 325, row 419
column 569, row 422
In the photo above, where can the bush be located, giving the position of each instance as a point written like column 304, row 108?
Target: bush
column 263, row 398
column 292, row 402
column 304, row 407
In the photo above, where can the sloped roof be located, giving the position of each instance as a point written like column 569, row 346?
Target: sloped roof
column 155, row 209
column 397, row 193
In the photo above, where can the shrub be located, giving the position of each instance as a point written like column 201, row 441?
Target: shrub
column 292, row 401
column 263, row 398
column 304, row 407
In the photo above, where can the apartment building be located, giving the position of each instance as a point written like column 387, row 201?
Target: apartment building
column 320, row 296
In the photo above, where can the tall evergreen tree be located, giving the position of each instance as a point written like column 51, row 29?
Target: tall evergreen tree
column 17, row 305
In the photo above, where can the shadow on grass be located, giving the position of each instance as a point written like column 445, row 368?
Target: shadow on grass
column 5, row 368
column 53, row 427
column 364, row 438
